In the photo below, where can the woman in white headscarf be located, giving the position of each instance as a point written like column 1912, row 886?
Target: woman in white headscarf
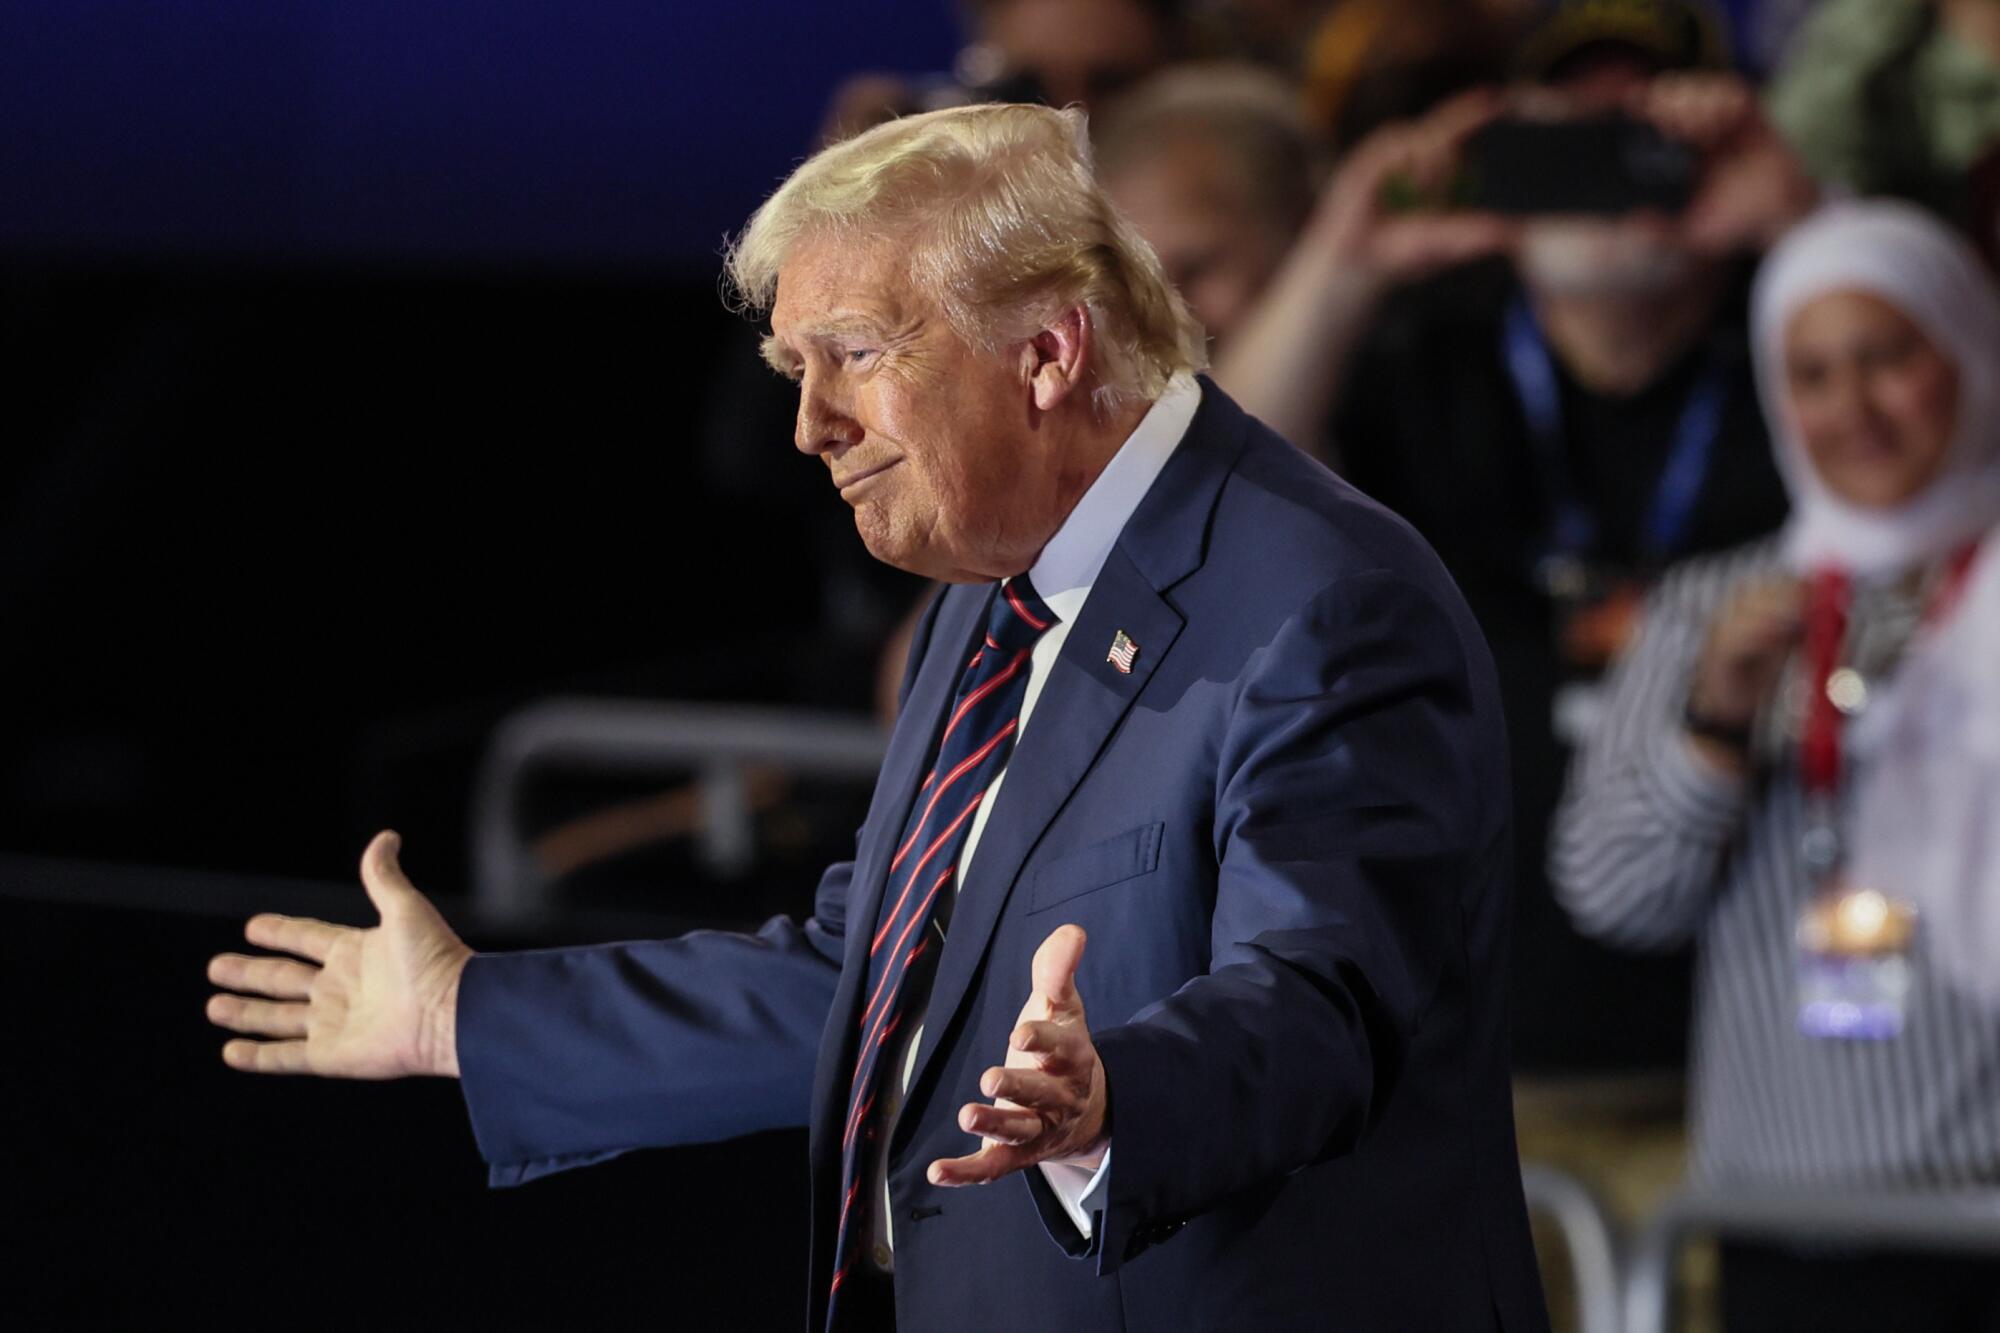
column 1799, row 764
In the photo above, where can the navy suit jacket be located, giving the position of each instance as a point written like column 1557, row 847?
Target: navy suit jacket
column 1286, row 832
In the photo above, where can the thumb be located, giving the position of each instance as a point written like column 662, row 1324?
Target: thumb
column 382, row 874
column 1055, row 967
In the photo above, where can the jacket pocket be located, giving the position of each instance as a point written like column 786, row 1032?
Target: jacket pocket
column 1098, row 866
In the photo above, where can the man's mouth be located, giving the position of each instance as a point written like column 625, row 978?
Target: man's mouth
column 853, row 479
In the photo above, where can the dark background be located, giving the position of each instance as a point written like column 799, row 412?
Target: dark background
column 358, row 369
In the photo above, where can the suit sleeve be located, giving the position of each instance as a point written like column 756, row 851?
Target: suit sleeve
column 572, row 1056
column 1355, row 808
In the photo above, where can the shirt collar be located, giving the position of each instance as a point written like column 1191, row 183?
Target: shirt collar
column 1069, row 564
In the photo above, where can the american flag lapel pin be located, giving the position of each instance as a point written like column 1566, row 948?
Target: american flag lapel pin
column 1123, row 651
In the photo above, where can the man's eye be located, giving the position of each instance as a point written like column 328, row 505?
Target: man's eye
column 856, row 355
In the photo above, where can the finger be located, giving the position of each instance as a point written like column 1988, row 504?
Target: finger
column 294, row 934
column 1377, row 154
column 265, row 1057
column 279, row 978
column 1764, row 594
column 1539, row 102
column 1701, row 109
column 1766, row 604
column 1054, row 968
column 1365, row 182
column 1774, row 614
column 1038, row 1038
column 264, row 1018
column 1752, row 621
column 1030, row 1088
column 1788, row 593
column 1002, row 1124
column 988, row 1164
column 1460, row 115
column 382, row 873
column 1666, row 110
column 1432, row 172
column 1754, row 642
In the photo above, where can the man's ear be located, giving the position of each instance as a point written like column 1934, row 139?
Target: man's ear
column 1059, row 358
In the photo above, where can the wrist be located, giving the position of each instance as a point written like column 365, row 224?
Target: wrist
column 439, row 1040
column 1720, row 740
column 1337, row 248
column 1718, row 759
column 1089, row 1160
column 1355, row 287
column 1720, row 727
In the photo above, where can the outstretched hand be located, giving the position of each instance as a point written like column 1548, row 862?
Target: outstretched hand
column 374, row 1003
column 1050, row 1101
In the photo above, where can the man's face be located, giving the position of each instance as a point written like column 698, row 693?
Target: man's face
column 935, row 443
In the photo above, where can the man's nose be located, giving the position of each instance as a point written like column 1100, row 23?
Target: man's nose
column 823, row 425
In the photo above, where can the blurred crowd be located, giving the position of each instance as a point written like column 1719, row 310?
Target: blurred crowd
column 1673, row 328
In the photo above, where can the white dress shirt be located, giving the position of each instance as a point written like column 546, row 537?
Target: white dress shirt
column 1063, row 575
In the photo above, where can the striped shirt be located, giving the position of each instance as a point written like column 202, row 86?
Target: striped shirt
column 1652, row 847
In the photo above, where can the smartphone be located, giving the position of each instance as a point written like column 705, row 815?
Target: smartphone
column 1604, row 166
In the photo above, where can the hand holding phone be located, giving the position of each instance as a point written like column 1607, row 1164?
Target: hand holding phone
column 1385, row 213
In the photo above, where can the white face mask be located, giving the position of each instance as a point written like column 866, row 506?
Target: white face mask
column 1588, row 258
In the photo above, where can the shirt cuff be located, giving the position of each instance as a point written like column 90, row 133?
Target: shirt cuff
column 1079, row 1189
column 1701, row 800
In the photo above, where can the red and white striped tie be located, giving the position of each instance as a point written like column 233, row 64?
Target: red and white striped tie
column 917, row 901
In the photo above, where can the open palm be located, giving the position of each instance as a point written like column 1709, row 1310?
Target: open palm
column 1049, row 1098
column 369, row 1003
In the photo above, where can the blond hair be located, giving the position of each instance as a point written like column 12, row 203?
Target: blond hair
column 1006, row 228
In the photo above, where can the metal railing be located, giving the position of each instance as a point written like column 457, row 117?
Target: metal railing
column 1590, row 1235
column 1955, row 1221
column 719, row 743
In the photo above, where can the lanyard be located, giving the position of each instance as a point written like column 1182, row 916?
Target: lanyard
column 1829, row 593
column 1573, row 528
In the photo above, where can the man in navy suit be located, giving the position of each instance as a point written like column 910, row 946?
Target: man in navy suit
column 1196, row 736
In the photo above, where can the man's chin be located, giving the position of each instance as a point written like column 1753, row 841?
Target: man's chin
column 911, row 556
column 891, row 547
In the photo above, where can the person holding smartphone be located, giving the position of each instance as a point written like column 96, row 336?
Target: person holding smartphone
column 1519, row 322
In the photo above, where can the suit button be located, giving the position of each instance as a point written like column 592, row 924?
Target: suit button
column 882, row 1257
